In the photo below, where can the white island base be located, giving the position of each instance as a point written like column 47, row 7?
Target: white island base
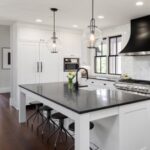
column 128, row 130
column 124, row 127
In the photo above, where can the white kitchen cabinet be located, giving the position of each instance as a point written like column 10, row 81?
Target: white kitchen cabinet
column 27, row 62
column 25, row 43
column 49, row 64
column 36, row 64
column 134, row 127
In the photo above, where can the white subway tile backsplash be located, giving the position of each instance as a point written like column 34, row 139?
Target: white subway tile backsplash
column 138, row 67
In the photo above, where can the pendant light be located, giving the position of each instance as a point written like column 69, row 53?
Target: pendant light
column 54, row 38
column 92, row 33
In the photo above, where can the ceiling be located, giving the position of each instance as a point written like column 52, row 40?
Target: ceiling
column 116, row 12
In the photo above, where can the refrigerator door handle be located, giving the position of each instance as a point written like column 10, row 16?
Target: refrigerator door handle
column 41, row 66
column 38, row 67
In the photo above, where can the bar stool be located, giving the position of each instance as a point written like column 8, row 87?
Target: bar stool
column 60, row 130
column 72, row 128
column 48, row 120
column 37, row 112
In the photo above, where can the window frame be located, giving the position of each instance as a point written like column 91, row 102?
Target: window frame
column 104, row 56
column 101, row 56
column 108, row 56
column 115, row 56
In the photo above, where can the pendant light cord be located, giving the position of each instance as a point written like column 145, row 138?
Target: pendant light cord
column 92, row 22
column 54, row 31
column 54, row 22
column 92, row 9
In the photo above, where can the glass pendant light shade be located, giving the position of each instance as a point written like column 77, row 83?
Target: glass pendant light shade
column 92, row 40
column 54, row 46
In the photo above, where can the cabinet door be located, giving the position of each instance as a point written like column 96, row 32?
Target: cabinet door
column 49, row 66
column 27, row 62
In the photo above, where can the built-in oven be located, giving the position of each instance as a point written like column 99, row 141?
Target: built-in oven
column 71, row 64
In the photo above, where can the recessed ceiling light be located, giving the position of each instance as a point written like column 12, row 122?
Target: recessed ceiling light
column 75, row 26
column 100, row 17
column 39, row 20
column 139, row 3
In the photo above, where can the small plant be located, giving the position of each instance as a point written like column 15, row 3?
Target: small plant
column 71, row 76
column 125, row 76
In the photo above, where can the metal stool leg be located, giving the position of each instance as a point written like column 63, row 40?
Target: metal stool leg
column 31, row 117
column 57, row 138
column 52, row 135
column 40, row 126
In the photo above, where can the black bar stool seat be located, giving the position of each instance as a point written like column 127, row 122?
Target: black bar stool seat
column 72, row 126
column 59, row 116
column 46, row 108
column 36, row 103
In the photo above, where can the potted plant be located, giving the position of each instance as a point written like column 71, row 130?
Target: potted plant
column 70, row 76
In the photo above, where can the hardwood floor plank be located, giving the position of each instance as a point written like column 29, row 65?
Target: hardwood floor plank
column 14, row 136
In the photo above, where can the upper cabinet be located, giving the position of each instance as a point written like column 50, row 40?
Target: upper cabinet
column 69, row 40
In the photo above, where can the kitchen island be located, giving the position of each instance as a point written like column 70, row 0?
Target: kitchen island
column 85, row 105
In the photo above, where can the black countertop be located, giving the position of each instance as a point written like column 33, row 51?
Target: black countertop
column 83, row 101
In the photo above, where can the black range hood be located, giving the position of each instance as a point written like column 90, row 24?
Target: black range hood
column 139, row 42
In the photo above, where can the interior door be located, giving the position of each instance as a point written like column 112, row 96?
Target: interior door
column 28, row 58
column 49, row 66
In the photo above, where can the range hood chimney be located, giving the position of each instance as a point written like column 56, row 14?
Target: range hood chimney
column 139, row 42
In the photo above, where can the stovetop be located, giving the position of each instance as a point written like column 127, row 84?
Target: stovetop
column 135, row 81
column 139, row 86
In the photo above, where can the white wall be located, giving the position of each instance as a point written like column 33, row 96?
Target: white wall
column 137, row 67
column 4, row 74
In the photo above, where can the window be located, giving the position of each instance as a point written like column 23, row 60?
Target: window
column 114, row 61
column 101, row 58
column 107, row 59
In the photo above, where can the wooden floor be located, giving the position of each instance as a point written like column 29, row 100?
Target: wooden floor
column 14, row 136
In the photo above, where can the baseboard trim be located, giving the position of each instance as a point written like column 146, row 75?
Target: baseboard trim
column 5, row 90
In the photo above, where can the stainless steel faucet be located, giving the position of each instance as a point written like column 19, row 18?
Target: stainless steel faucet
column 77, row 83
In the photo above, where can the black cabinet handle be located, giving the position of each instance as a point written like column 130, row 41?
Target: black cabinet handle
column 37, row 66
column 92, row 82
column 41, row 67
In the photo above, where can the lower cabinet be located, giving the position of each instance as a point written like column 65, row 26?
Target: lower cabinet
column 128, row 130
column 134, row 126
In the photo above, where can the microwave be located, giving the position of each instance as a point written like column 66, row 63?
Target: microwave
column 71, row 64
